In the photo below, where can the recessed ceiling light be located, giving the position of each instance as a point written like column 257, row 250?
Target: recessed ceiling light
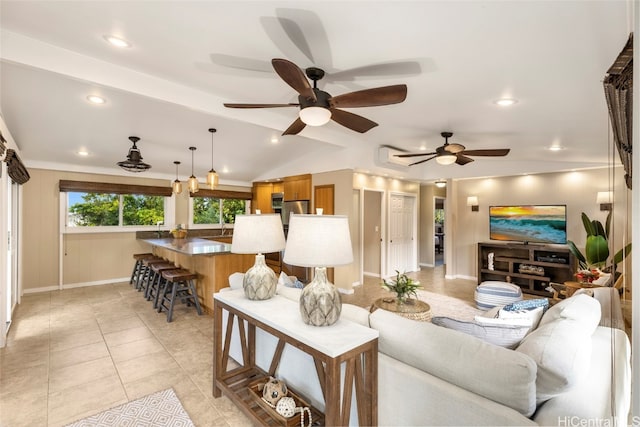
column 83, row 153
column 117, row 41
column 506, row 102
column 556, row 148
column 95, row 99
column 225, row 169
column 274, row 140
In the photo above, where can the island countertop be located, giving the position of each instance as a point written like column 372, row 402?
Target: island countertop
column 191, row 246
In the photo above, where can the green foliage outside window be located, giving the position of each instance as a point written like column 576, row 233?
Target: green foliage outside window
column 97, row 209
column 439, row 216
column 206, row 210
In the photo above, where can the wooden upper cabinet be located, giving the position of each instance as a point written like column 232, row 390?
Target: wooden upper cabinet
column 278, row 187
column 262, row 197
column 297, row 187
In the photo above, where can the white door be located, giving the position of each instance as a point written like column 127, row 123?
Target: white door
column 402, row 230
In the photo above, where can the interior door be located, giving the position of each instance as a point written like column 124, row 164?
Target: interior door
column 401, row 233
column 324, row 198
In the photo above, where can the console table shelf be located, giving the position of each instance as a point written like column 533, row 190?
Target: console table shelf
column 557, row 262
column 344, row 350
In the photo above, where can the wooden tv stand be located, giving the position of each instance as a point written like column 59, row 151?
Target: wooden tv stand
column 511, row 261
column 345, row 348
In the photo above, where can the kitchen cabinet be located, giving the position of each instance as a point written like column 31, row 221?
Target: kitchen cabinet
column 262, row 197
column 297, row 187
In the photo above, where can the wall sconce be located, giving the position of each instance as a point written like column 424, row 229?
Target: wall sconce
column 605, row 199
column 473, row 202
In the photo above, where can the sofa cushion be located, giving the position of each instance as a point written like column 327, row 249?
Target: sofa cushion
column 505, row 334
column 561, row 345
column 235, row 280
column 492, row 293
column 502, row 375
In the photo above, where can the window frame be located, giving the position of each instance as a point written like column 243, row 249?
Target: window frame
column 222, row 195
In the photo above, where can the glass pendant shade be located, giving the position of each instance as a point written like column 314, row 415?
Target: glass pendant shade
column 212, row 179
column 446, row 159
column 315, row 116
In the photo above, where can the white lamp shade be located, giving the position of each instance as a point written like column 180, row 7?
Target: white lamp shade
column 604, row 197
column 254, row 234
column 446, row 159
column 315, row 116
column 318, row 241
column 472, row 201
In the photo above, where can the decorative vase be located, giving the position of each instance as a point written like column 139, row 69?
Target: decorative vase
column 259, row 281
column 320, row 302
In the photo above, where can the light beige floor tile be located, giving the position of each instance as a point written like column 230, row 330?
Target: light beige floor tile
column 24, row 381
column 128, row 335
column 161, row 380
column 31, row 344
column 12, row 363
column 80, row 373
column 135, row 349
column 61, row 328
column 145, row 366
column 74, row 340
column 84, row 400
column 86, row 353
column 120, row 324
column 200, row 409
column 24, row 408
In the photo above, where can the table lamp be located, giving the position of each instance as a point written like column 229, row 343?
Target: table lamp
column 258, row 234
column 319, row 241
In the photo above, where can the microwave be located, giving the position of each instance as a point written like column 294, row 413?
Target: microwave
column 276, row 200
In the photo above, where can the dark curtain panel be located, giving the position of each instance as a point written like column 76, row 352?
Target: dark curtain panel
column 15, row 168
column 618, row 90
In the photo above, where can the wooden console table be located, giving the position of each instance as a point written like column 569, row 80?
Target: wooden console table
column 343, row 347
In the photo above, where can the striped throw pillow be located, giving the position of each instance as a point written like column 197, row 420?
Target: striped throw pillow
column 507, row 335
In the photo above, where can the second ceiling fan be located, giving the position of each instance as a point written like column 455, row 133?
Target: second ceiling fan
column 455, row 153
column 317, row 107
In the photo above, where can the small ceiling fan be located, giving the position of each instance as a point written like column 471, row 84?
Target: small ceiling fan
column 317, row 107
column 455, row 153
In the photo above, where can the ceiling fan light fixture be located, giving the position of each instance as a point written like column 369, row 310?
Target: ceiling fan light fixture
column 315, row 116
column 446, row 159
column 134, row 161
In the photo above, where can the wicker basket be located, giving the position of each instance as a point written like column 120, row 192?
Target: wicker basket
column 179, row 234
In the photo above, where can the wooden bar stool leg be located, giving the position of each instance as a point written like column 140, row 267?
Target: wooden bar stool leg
column 174, row 287
column 134, row 273
column 192, row 289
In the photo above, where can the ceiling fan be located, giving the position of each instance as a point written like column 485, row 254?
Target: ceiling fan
column 454, row 153
column 317, row 107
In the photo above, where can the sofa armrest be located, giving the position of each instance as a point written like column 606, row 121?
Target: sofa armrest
column 609, row 300
column 499, row 374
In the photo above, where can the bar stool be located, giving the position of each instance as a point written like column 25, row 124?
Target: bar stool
column 138, row 266
column 156, row 281
column 179, row 285
column 145, row 272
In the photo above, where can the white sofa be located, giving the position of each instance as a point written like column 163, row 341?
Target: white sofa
column 431, row 375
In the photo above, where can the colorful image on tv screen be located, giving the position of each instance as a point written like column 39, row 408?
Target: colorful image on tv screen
column 536, row 223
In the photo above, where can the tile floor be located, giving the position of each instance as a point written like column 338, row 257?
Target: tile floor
column 76, row 352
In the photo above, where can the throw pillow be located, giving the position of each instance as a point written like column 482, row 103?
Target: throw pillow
column 284, row 280
column 527, row 304
column 533, row 315
column 508, row 336
column 582, row 308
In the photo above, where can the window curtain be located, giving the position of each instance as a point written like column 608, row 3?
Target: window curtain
column 109, row 188
column 618, row 90
column 15, row 168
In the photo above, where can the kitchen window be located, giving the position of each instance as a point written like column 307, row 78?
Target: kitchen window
column 217, row 208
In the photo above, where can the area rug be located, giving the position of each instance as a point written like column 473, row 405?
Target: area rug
column 158, row 409
column 444, row 305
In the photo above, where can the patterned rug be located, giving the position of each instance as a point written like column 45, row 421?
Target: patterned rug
column 158, row 409
column 444, row 305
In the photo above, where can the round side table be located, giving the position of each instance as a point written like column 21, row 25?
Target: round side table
column 411, row 309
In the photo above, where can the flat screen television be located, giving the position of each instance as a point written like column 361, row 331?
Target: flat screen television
column 529, row 223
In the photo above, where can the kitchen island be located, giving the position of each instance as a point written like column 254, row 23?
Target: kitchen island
column 210, row 259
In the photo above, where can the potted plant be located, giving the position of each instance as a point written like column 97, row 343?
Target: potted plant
column 403, row 286
column 596, row 250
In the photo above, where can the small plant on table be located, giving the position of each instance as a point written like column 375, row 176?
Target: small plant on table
column 403, row 286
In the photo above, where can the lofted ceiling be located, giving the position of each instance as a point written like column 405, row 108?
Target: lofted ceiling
column 189, row 57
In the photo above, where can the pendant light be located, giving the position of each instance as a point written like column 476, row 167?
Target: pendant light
column 134, row 161
column 212, row 176
column 193, row 181
column 177, row 185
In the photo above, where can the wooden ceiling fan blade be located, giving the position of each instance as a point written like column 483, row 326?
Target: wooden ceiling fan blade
column 495, row 152
column 422, row 161
column 414, row 154
column 463, row 160
column 295, row 128
column 385, row 95
column 294, row 77
column 352, row 121
column 259, row 105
